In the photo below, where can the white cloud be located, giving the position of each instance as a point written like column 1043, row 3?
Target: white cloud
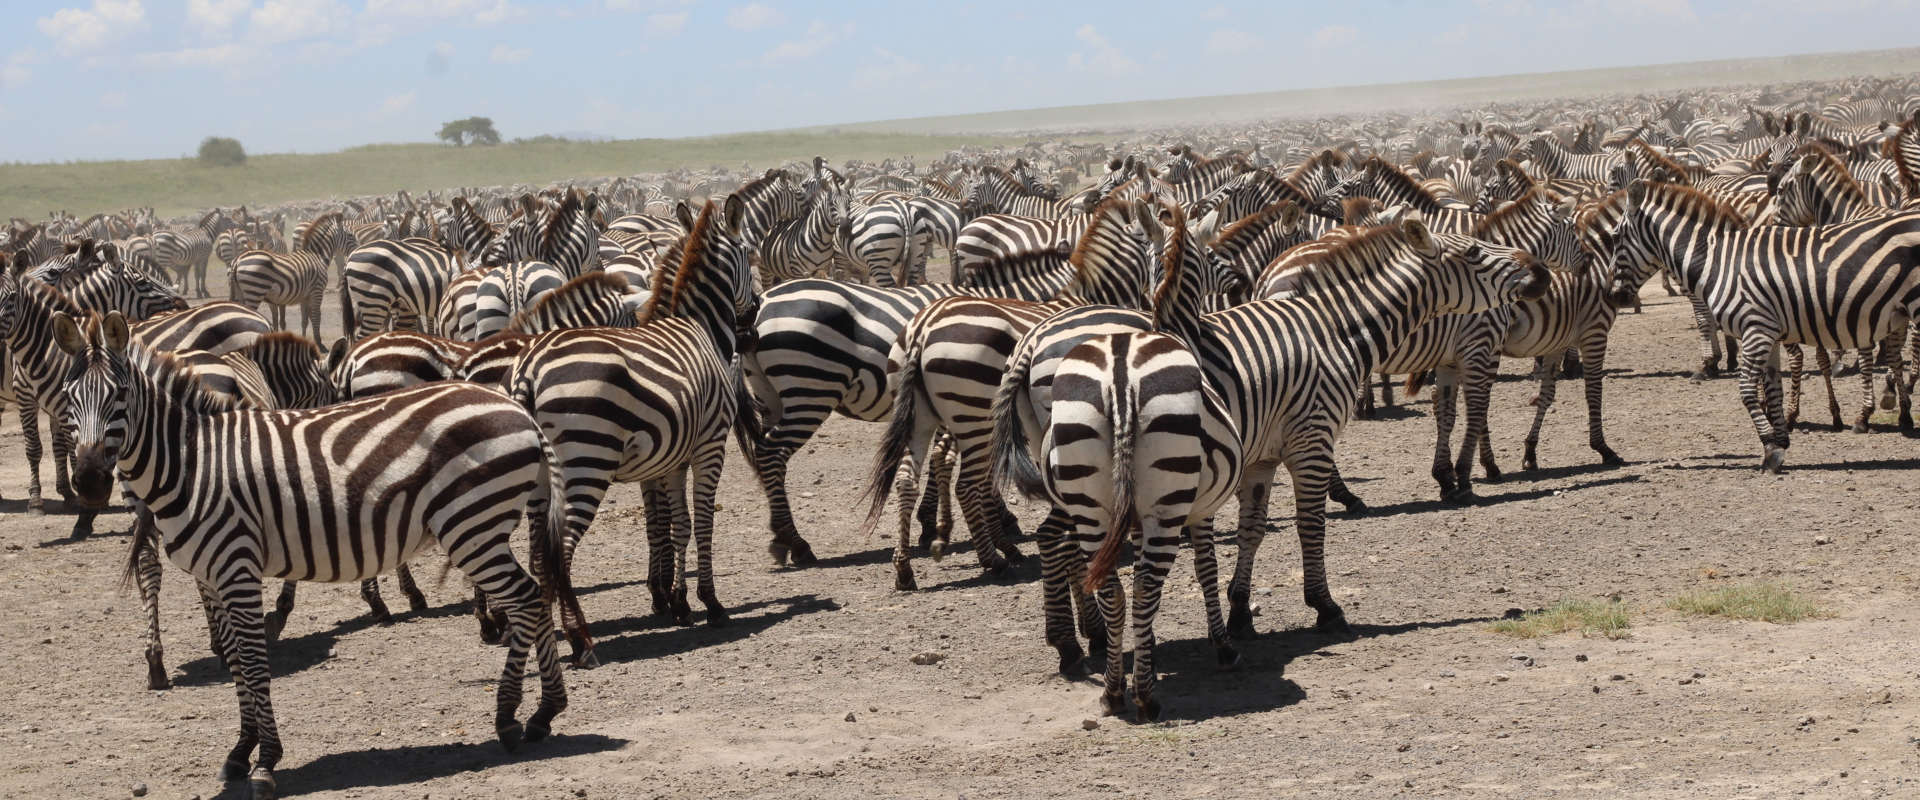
column 485, row 12
column 754, row 16
column 397, row 103
column 503, row 54
column 223, row 55
column 819, row 37
column 666, row 24
column 1227, row 41
column 292, row 20
column 215, row 17
column 80, row 29
column 892, row 69
column 1333, row 36
column 1216, row 12
column 14, row 71
column 1100, row 55
column 113, row 100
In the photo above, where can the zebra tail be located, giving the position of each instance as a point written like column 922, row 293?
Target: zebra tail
column 1416, row 381
column 1122, row 518
column 556, row 584
column 899, row 435
column 1012, row 416
column 145, row 539
column 746, row 421
column 346, row 309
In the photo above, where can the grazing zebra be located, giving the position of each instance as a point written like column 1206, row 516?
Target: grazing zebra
column 284, row 279
column 395, row 284
column 1123, row 385
column 256, row 494
column 1831, row 286
column 187, row 252
column 652, row 404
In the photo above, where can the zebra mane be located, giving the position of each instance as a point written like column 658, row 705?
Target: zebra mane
column 1827, row 170
column 49, row 297
column 1019, row 187
column 1338, row 261
column 753, row 187
column 306, row 238
column 1393, row 175
column 1688, row 201
column 1658, row 159
column 271, row 344
column 1519, row 207
column 1325, row 158
column 1358, row 210
column 583, row 293
column 1904, row 147
column 675, row 270
column 1247, row 229
column 1514, row 172
column 1094, row 255
column 572, row 207
column 171, row 377
column 1175, row 284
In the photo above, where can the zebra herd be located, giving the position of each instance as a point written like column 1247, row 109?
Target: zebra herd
column 1131, row 354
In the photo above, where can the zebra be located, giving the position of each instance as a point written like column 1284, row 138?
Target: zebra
column 390, row 361
column 805, row 245
column 1244, row 195
column 283, row 279
column 1554, row 161
column 1389, row 184
column 503, row 292
column 395, row 284
column 946, row 365
column 232, row 506
column 878, row 237
column 1075, row 362
column 992, row 190
column 187, row 252
column 1830, row 286
column 652, row 404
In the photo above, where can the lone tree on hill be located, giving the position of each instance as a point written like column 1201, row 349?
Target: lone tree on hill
column 220, row 151
column 472, row 130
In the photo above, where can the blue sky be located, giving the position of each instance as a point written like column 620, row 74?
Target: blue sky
column 88, row 79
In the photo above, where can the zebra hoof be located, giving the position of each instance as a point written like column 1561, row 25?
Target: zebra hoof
column 717, row 617
column 35, row 509
column 682, row 612
column 1353, row 505
column 803, row 553
column 261, row 785
column 938, row 550
column 903, row 579
column 1333, row 622
column 1146, row 709
column 1608, row 457
column 540, row 724
column 417, row 603
column 1073, row 661
column 511, row 736
column 1113, row 705
column 235, row 769
column 1462, row 496
column 383, row 618
column 779, row 553
column 1860, row 426
column 157, row 674
column 1775, row 460
column 1227, row 657
column 1240, row 624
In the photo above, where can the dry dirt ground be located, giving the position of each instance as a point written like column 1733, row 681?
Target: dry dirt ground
column 811, row 693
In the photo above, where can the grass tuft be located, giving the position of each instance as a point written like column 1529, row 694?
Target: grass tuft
column 1763, row 602
column 1605, row 618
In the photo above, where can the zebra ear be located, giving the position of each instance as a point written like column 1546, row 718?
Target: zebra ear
column 1637, row 191
column 735, row 211
column 1417, row 233
column 684, row 214
column 66, row 333
column 114, row 332
column 337, row 354
column 1291, row 216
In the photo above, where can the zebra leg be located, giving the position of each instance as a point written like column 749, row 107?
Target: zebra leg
column 1760, row 393
column 1548, row 374
column 1444, row 410
column 1732, row 349
column 1337, row 489
column 487, row 560
column 980, row 506
column 1868, row 363
column 1593, row 354
column 1709, row 342
column 493, row 621
column 282, row 610
column 1796, row 362
column 676, row 491
column 1255, row 485
column 147, row 574
column 936, row 504
column 1365, row 410
column 798, row 421
column 906, row 492
column 1308, row 468
column 1058, row 593
column 1570, row 366
column 246, row 641
column 30, row 433
column 1386, row 391
column 705, row 481
column 1113, row 611
column 1477, row 371
column 1160, row 544
column 1824, row 362
column 1206, row 572
column 376, row 605
column 1666, row 282
column 415, row 599
column 1896, row 384
column 659, row 546
column 310, row 313
column 62, row 451
column 216, row 624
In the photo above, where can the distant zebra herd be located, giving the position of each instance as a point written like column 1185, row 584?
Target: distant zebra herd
column 1195, row 318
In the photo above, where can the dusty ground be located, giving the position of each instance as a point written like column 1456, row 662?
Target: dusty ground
column 1426, row 702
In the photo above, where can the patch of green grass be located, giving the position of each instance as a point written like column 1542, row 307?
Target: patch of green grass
column 181, row 186
column 1764, row 602
column 1606, row 618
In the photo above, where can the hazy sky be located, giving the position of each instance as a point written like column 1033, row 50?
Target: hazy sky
column 84, row 79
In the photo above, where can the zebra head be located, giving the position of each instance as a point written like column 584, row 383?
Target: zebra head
column 1473, row 274
column 132, row 290
column 96, row 409
column 1633, row 252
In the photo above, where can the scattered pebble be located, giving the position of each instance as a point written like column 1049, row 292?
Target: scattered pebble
column 579, row 793
column 1403, row 748
column 1616, row 677
column 1499, row 590
column 1089, row 724
column 139, row 790
column 1806, row 721
column 850, row 716
column 1822, row 539
column 928, row 657
column 1582, row 658
column 1446, row 673
column 1500, row 677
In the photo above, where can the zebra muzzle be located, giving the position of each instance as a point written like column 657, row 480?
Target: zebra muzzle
column 1536, row 282
column 92, row 474
column 1623, row 294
